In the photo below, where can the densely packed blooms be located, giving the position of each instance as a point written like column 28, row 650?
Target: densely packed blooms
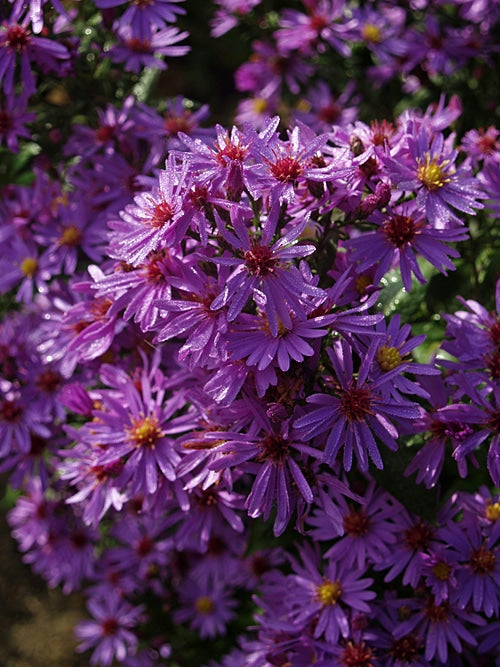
column 224, row 417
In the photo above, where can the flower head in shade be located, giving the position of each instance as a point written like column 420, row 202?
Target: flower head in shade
column 441, row 626
column 112, row 632
column 402, row 235
column 355, row 412
column 136, row 53
column 326, row 594
column 478, row 576
column 13, row 117
column 429, row 169
column 143, row 17
column 207, row 606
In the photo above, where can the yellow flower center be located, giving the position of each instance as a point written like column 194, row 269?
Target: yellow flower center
column 371, row 33
column 432, row 174
column 204, row 605
column 328, row 593
column 71, row 236
column 388, row 358
column 145, row 431
column 29, row 266
column 259, row 105
column 493, row 511
column 441, row 571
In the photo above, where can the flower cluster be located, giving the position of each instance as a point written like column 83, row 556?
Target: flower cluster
column 218, row 419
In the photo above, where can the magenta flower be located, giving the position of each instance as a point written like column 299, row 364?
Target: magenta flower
column 401, row 236
column 428, row 169
column 157, row 219
column 264, row 270
column 355, row 411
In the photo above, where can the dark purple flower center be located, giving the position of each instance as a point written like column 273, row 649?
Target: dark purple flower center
column 486, row 143
column 142, row 4
column 436, row 613
column 356, row 523
column 144, row 546
column 495, row 332
column 105, row 133
column 109, row 627
column 10, row 411
column 260, row 261
column 418, row 536
column 5, row 122
column 493, row 362
column 138, row 45
column 79, row 539
column 405, row 649
column 274, row 448
column 259, row 565
column 356, row 404
column 286, row 169
column 483, row 561
column 357, row 655
column 329, row 113
column 493, row 422
column 48, row 381
column 18, row 38
column 207, row 498
column 400, row 230
column 38, row 445
column 108, row 471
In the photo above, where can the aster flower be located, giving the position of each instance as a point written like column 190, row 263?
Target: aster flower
column 156, row 219
column 228, row 14
column 208, row 607
column 111, row 634
column 478, row 577
column 429, row 170
column 401, row 236
column 441, row 625
column 326, row 595
column 136, row 53
column 355, row 411
column 13, row 117
column 142, row 17
column 263, row 270
column 17, row 44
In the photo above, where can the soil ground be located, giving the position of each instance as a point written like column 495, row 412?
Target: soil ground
column 36, row 623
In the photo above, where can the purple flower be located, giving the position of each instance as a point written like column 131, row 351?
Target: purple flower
column 402, row 234
column 112, row 634
column 263, row 269
column 428, row 169
column 208, row 607
column 156, row 220
column 136, row 53
column 355, row 411
column 326, row 595
column 13, row 117
column 17, row 44
column 142, row 17
column 479, row 575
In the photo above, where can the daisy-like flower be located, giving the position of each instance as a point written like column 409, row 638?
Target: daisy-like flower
column 207, row 605
column 429, row 169
column 134, row 424
column 356, row 411
column 263, row 270
column 402, row 234
column 326, row 595
column 13, row 116
column 142, row 16
column 156, row 220
column 111, row 634
column 136, row 53
column 479, row 557
column 19, row 45
column 441, row 625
